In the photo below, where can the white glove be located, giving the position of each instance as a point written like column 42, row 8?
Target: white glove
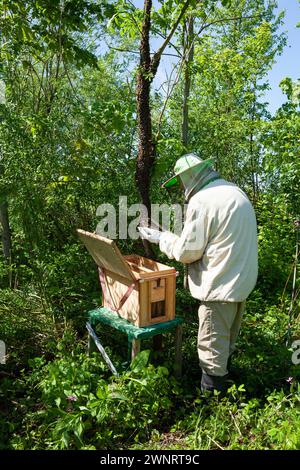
column 150, row 234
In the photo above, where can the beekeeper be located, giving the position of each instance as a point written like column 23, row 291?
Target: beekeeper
column 219, row 245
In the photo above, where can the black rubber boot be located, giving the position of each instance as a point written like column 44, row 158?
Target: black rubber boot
column 209, row 383
column 229, row 363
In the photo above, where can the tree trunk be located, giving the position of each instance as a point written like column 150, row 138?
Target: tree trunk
column 253, row 157
column 147, row 70
column 145, row 156
column 6, row 237
column 188, row 50
column 4, row 221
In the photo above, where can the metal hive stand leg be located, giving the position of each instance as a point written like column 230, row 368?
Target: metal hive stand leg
column 95, row 339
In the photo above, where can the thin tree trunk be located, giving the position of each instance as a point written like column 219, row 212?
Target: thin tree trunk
column 252, row 156
column 4, row 221
column 252, row 167
column 6, row 236
column 188, row 51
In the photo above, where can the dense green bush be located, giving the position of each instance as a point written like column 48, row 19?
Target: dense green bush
column 69, row 142
column 26, row 326
column 72, row 403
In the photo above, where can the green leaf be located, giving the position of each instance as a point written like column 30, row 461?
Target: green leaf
column 140, row 361
column 58, row 402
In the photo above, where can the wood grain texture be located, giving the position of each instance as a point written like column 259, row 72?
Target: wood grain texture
column 106, row 254
column 152, row 299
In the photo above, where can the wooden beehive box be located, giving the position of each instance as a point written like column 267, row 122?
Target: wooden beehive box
column 139, row 289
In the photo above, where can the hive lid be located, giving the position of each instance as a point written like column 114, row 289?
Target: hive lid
column 106, row 254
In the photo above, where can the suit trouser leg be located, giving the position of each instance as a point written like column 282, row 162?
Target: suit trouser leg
column 219, row 325
column 236, row 326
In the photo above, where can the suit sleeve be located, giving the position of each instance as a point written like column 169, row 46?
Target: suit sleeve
column 190, row 246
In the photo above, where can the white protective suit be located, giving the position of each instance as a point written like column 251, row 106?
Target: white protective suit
column 219, row 245
column 218, row 242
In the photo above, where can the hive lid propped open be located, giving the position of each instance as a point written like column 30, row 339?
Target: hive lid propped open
column 106, row 254
column 139, row 289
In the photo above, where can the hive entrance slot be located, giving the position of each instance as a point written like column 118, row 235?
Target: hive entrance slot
column 158, row 309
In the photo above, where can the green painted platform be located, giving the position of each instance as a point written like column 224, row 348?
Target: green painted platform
column 135, row 334
column 107, row 317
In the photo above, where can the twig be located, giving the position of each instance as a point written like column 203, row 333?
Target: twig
column 138, row 52
column 236, row 425
column 218, row 445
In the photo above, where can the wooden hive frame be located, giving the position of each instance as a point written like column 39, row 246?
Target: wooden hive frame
column 141, row 290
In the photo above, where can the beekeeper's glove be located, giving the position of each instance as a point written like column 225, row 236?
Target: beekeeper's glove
column 150, row 234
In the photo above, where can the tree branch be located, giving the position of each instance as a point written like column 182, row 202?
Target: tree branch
column 137, row 52
column 170, row 89
column 223, row 20
column 156, row 58
column 155, row 31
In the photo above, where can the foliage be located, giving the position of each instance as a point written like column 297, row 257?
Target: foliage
column 78, row 408
column 276, row 242
column 73, row 402
column 231, row 59
column 41, row 26
column 68, row 132
column 247, row 424
column 281, row 139
column 26, row 327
